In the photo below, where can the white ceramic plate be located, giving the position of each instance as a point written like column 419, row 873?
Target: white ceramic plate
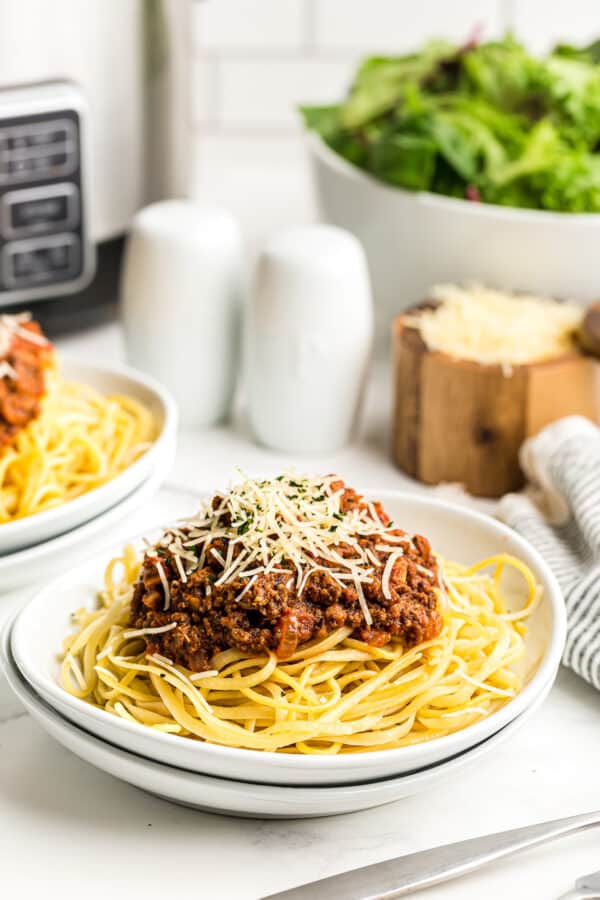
column 455, row 532
column 240, row 798
column 45, row 525
column 44, row 560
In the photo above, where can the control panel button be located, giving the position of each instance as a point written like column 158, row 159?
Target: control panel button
column 20, row 168
column 41, row 261
column 39, row 210
column 46, row 149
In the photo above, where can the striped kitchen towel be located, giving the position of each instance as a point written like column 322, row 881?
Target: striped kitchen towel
column 560, row 516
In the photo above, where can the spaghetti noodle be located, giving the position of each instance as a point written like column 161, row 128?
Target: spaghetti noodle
column 336, row 693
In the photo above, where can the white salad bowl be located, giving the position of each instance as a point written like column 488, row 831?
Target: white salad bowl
column 415, row 239
column 454, row 532
column 43, row 526
column 240, row 798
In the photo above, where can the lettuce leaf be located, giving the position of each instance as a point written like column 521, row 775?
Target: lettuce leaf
column 489, row 122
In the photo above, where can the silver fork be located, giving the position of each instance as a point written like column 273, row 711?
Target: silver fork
column 405, row 874
column 586, row 888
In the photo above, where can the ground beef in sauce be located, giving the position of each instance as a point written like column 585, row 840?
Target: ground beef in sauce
column 21, row 393
column 271, row 615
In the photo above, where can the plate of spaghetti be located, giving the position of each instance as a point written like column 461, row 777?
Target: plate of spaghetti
column 74, row 439
column 294, row 631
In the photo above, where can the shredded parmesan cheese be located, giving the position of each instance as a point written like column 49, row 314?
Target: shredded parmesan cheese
column 161, row 660
column 165, row 584
column 217, row 556
column 180, row 568
column 246, row 588
column 496, row 328
column 292, row 525
column 139, row 632
column 387, row 571
column 363, row 602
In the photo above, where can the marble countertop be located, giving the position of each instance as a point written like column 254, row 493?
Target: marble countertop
column 66, row 827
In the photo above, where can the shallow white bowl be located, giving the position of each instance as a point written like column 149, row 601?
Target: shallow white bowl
column 52, row 522
column 456, row 533
column 240, row 798
column 415, row 239
column 49, row 557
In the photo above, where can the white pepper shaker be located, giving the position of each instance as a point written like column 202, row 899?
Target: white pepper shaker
column 181, row 304
column 308, row 341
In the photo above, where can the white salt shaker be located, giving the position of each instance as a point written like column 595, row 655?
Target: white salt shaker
column 181, row 303
column 308, row 341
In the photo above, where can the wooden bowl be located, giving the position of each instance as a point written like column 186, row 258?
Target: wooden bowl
column 459, row 421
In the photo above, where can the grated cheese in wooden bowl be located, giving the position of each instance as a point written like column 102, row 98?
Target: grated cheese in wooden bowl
column 497, row 328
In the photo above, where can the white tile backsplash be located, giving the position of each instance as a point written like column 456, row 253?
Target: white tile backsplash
column 234, row 150
column 265, row 93
column 396, row 26
column 257, row 59
column 264, row 181
column 248, row 24
column 542, row 23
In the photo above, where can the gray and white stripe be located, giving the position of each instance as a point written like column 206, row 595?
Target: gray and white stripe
column 569, row 468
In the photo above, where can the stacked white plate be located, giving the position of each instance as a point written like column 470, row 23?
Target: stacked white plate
column 251, row 783
column 38, row 545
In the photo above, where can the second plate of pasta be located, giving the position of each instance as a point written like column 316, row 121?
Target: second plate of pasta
column 99, row 436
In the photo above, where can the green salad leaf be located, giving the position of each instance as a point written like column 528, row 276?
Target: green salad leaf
column 488, row 122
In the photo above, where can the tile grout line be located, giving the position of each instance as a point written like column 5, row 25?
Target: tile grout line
column 216, row 91
column 279, row 54
column 213, row 129
column 309, row 27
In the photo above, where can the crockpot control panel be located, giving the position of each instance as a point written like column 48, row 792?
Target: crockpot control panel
column 45, row 248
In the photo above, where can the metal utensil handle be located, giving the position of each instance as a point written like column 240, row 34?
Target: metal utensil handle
column 397, row 877
column 577, row 894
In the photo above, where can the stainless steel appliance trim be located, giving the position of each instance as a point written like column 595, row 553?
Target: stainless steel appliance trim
column 43, row 192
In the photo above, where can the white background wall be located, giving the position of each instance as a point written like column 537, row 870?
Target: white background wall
column 254, row 61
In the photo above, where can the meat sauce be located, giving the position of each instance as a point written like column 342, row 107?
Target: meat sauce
column 24, row 384
column 272, row 615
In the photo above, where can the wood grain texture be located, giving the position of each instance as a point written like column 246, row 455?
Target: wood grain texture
column 462, row 422
column 560, row 388
column 407, row 400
